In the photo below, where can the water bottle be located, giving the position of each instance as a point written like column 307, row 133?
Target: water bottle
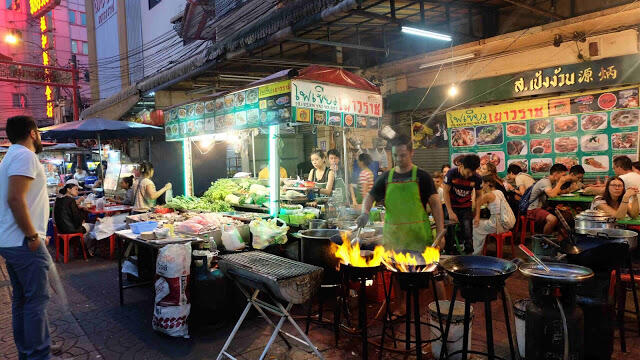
column 168, row 195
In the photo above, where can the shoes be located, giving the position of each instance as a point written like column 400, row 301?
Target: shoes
column 56, row 348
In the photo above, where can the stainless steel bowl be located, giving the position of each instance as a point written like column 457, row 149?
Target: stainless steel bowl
column 612, row 234
column 559, row 273
column 594, row 219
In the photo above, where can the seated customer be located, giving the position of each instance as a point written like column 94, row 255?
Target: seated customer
column 549, row 186
column 616, row 201
column 522, row 180
column 577, row 175
column 126, row 184
column 496, row 202
column 68, row 217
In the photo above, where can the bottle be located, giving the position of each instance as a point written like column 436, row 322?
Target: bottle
column 207, row 243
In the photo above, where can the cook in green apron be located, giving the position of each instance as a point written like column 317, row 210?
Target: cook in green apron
column 406, row 222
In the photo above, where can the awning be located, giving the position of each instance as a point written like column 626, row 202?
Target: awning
column 115, row 106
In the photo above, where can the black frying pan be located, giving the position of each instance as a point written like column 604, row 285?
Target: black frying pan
column 478, row 269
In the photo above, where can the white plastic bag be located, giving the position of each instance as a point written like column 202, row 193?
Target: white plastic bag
column 231, row 238
column 171, row 320
column 267, row 232
column 174, row 260
column 108, row 225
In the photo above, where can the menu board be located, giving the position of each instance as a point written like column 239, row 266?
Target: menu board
column 587, row 129
column 260, row 106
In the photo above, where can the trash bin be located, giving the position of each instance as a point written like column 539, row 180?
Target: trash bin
column 456, row 331
column 520, row 313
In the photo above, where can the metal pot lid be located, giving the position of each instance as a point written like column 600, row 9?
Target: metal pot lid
column 560, row 273
column 593, row 214
column 609, row 233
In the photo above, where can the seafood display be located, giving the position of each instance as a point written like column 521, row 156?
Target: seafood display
column 488, row 135
column 594, row 121
column 495, row 157
column 516, row 147
column 566, row 144
column 628, row 140
column 540, row 126
column 566, row 123
column 462, row 137
column 540, row 146
column 517, row 129
column 541, row 165
column 522, row 163
column 567, row 161
column 595, row 163
column 624, row 118
column 594, row 142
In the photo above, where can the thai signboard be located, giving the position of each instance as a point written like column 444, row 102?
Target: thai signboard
column 287, row 101
column 38, row 8
column 590, row 129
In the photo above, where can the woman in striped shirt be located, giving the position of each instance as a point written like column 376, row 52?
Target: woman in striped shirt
column 365, row 180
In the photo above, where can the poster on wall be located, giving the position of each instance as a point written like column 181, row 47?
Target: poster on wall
column 430, row 134
column 589, row 129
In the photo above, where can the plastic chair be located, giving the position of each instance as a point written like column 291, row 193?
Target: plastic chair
column 522, row 225
column 500, row 240
column 66, row 238
column 626, row 284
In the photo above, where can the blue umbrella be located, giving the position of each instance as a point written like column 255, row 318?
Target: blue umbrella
column 98, row 128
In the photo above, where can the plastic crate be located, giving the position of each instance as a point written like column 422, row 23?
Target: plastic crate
column 145, row 226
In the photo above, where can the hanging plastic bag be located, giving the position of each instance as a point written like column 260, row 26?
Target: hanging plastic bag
column 231, row 238
column 268, row 232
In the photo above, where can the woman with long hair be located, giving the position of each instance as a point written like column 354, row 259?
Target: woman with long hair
column 616, row 201
column 497, row 204
column 321, row 173
column 145, row 193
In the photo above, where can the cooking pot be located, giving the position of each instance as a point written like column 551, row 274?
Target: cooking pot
column 606, row 234
column 594, row 219
column 316, row 248
column 317, row 224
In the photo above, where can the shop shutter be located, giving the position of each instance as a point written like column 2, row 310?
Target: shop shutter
column 431, row 160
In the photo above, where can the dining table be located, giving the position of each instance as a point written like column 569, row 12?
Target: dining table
column 572, row 198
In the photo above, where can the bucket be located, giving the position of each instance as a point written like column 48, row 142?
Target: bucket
column 542, row 249
column 456, row 331
column 520, row 313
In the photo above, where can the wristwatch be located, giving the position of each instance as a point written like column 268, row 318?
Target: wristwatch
column 32, row 238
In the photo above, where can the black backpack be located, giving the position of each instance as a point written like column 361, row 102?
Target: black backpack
column 523, row 205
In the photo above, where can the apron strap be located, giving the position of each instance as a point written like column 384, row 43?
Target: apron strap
column 390, row 178
column 414, row 173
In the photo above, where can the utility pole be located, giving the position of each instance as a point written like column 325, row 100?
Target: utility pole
column 76, row 88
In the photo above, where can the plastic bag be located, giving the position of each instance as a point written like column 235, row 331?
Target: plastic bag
column 108, row 225
column 174, row 260
column 267, row 232
column 231, row 238
column 171, row 320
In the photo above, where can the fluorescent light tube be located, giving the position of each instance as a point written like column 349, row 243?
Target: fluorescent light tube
column 426, row 33
column 448, row 60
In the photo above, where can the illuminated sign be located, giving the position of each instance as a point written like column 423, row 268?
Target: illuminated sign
column 45, row 61
column 38, row 8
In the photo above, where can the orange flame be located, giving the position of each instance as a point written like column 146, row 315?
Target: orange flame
column 350, row 255
column 407, row 262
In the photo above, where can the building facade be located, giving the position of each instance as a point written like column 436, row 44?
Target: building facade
column 48, row 40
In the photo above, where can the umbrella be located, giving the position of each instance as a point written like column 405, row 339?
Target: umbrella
column 98, row 128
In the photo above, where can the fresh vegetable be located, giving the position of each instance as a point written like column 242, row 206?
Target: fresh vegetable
column 220, row 189
column 193, row 203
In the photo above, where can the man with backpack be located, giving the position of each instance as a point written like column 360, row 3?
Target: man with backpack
column 536, row 197
column 522, row 180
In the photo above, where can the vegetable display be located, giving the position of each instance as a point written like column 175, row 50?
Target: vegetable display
column 220, row 189
column 185, row 203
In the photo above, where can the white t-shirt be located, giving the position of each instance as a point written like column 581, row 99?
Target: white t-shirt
column 23, row 162
column 525, row 180
column 380, row 156
column 80, row 176
column 631, row 179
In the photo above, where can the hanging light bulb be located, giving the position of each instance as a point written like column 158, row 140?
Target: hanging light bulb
column 453, row 90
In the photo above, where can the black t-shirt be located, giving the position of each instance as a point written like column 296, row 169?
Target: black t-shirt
column 461, row 187
column 425, row 182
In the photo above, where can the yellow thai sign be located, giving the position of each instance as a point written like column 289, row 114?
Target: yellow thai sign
column 521, row 110
column 281, row 87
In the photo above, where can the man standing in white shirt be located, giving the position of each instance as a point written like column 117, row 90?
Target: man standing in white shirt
column 24, row 211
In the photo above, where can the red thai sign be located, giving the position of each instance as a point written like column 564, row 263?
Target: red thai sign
column 38, row 8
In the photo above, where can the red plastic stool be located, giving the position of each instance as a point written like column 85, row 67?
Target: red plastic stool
column 524, row 224
column 66, row 238
column 626, row 285
column 500, row 240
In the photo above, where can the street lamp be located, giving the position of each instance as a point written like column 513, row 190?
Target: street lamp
column 11, row 39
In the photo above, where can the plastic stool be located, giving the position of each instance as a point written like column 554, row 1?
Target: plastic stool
column 500, row 240
column 524, row 224
column 66, row 238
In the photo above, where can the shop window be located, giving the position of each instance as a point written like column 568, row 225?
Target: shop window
column 83, row 19
column 85, row 48
column 74, row 46
column 19, row 100
column 72, row 17
column 153, row 3
column 12, row 4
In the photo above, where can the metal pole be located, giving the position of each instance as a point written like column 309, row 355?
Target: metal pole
column 74, row 82
column 253, row 152
column 274, row 171
column 99, row 149
column 346, row 165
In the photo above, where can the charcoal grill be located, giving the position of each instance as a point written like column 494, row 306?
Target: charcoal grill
column 281, row 280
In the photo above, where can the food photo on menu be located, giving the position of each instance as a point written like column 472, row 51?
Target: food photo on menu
column 567, row 161
column 565, row 123
column 625, row 140
column 489, row 135
column 597, row 163
column 541, row 165
column 540, row 146
column 624, row 118
column 599, row 142
column 566, row 144
column 494, row 157
column 597, row 121
column 540, row 126
column 463, row 137
column 516, row 147
column 523, row 163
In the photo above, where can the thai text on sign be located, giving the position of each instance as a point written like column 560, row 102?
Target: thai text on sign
column 318, row 96
column 521, row 110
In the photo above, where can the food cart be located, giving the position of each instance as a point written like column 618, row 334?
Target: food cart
column 316, row 95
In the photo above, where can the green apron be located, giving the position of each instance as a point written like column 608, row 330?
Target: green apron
column 406, row 222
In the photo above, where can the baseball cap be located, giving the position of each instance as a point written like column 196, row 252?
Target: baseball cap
column 73, row 182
